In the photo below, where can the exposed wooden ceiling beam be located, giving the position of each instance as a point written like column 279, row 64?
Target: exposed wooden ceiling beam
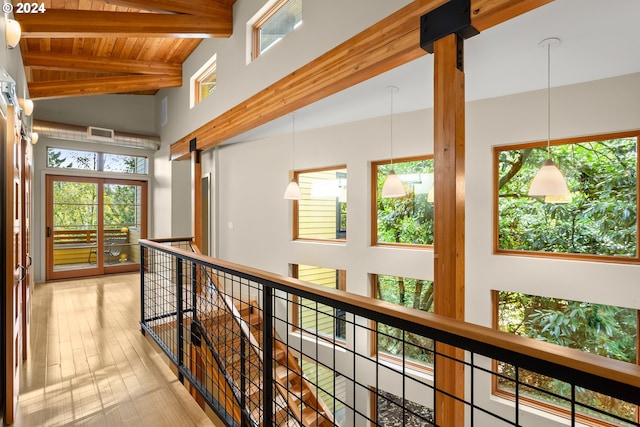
column 102, row 85
column 67, row 62
column 387, row 44
column 59, row 23
column 189, row 7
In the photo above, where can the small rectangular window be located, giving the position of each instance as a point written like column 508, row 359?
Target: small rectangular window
column 391, row 342
column 278, row 21
column 124, row 164
column 406, row 220
column 72, row 159
column 321, row 214
column 316, row 318
column 608, row 331
column 204, row 81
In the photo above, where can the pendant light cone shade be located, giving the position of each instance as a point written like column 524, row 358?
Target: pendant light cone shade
column 549, row 181
column 34, row 138
column 12, row 32
column 27, row 105
column 292, row 191
column 392, row 186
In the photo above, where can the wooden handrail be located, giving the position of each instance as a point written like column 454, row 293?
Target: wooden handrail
column 486, row 341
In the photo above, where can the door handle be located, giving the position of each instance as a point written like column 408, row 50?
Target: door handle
column 24, row 272
column 48, row 231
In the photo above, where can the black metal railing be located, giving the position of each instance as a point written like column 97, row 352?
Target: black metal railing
column 231, row 330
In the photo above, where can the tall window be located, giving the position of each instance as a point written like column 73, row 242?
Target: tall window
column 278, row 21
column 391, row 342
column 407, row 220
column 316, row 318
column 601, row 220
column 322, row 212
column 203, row 82
column 605, row 330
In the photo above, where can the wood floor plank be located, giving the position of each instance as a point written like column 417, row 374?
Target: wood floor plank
column 90, row 366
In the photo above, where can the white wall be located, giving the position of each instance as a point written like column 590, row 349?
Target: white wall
column 124, row 113
column 255, row 221
column 321, row 30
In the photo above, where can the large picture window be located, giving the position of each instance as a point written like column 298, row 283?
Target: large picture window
column 322, row 212
column 601, row 219
column 605, row 330
column 391, row 342
column 406, row 220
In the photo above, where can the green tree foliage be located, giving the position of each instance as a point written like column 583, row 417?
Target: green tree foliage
column 409, row 219
column 605, row 330
column 75, row 205
column 406, row 292
column 601, row 219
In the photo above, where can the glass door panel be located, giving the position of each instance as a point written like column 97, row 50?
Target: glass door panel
column 123, row 215
column 75, row 225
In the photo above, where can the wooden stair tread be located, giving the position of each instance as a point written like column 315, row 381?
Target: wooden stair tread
column 311, row 417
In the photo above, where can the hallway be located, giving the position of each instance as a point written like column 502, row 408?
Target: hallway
column 89, row 365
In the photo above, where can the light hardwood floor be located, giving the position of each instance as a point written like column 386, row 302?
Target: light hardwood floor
column 89, row 365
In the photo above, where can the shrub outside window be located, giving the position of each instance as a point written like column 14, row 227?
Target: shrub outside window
column 281, row 19
column 605, row 330
column 601, row 220
column 317, row 318
column 322, row 212
column 407, row 292
column 407, row 220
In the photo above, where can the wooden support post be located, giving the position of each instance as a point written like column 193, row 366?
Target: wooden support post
column 449, row 219
column 196, row 198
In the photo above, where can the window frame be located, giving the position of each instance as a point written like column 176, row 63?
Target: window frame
column 562, row 255
column 374, row 202
column 296, row 208
column 341, row 281
column 260, row 22
column 541, row 405
column 100, row 161
column 205, row 71
column 373, row 326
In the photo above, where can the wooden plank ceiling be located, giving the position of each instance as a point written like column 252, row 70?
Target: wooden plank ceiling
column 93, row 47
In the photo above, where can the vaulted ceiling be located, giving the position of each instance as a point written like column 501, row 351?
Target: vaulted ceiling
column 93, row 47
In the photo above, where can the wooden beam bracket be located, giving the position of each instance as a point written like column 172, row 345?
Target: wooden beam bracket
column 452, row 17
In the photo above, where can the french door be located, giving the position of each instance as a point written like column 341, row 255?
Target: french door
column 93, row 225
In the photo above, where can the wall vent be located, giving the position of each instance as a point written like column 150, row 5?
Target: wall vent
column 100, row 134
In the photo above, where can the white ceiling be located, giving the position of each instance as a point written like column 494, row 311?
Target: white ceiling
column 599, row 39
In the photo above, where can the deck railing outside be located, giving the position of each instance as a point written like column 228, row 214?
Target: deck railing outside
column 230, row 331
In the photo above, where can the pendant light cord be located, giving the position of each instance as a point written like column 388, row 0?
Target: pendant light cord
column 293, row 142
column 391, row 90
column 549, row 101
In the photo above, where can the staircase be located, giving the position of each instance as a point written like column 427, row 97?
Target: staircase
column 220, row 339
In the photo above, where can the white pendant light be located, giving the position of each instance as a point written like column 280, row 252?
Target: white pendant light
column 34, row 138
column 392, row 186
column 292, row 192
column 549, row 181
column 12, row 32
column 27, row 106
